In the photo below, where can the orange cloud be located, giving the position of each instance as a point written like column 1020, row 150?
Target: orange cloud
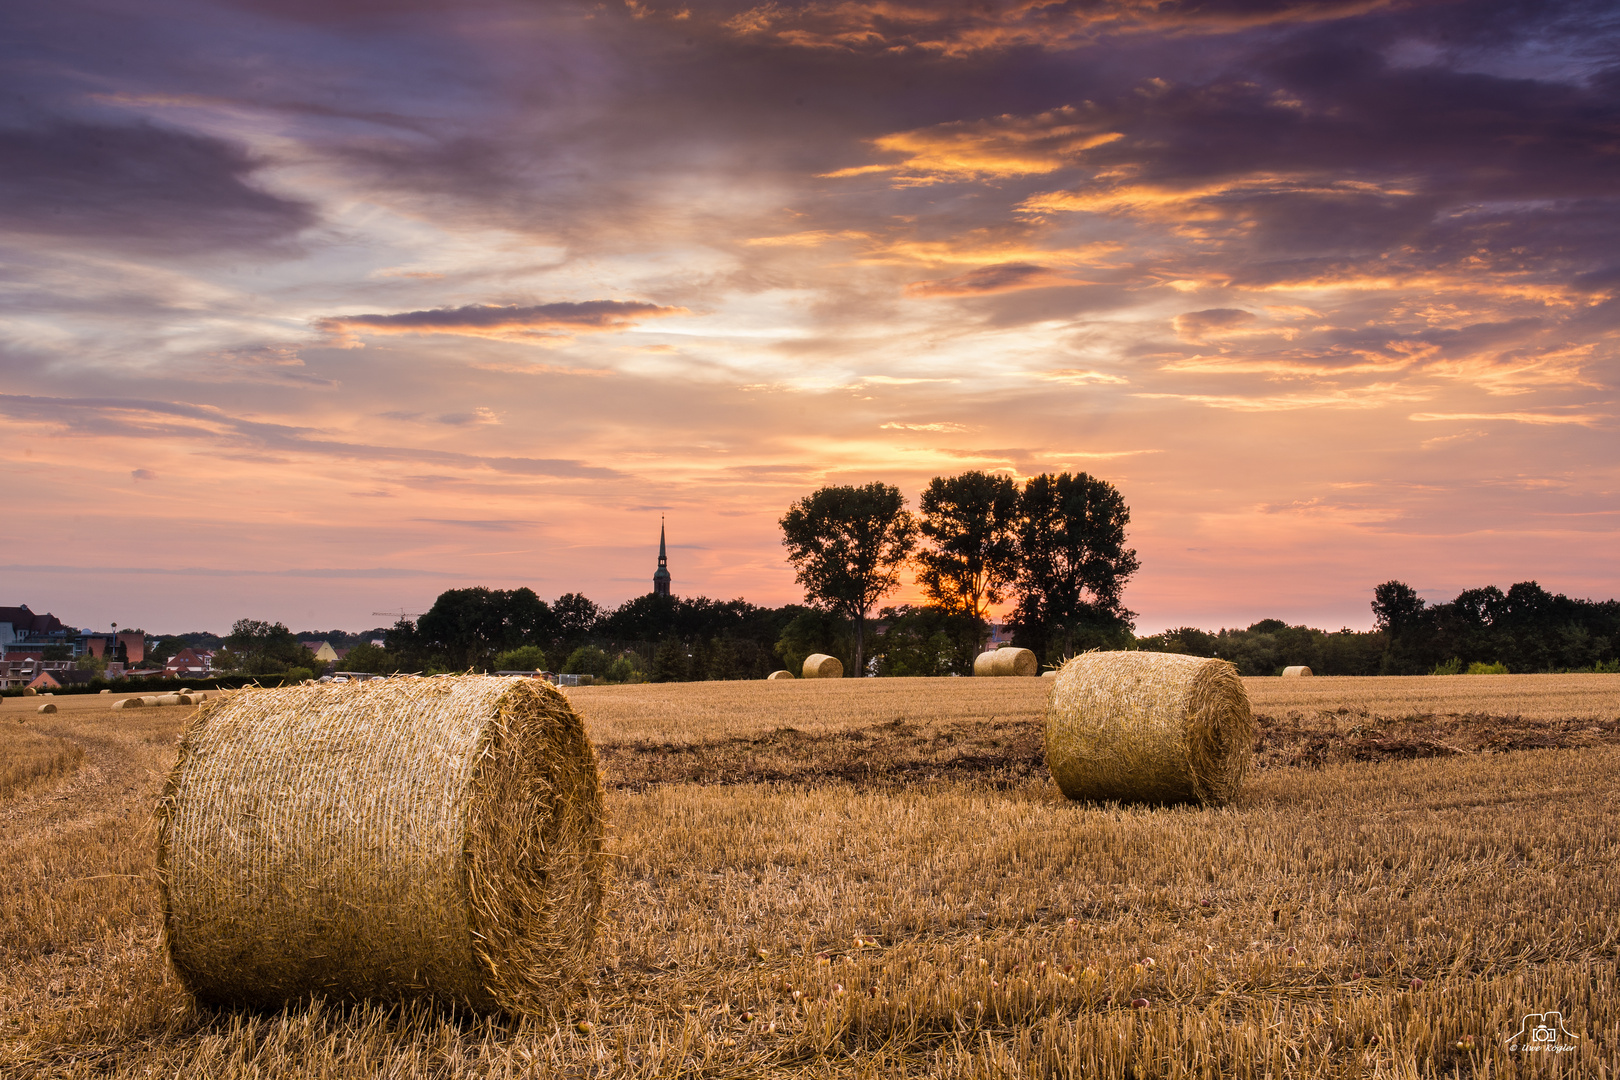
column 1582, row 419
column 1079, row 377
column 1362, row 397
column 957, row 29
column 895, row 425
column 1000, row 147
column 1176, row 205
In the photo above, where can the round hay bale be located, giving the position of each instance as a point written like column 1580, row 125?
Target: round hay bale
column 169, row 699
column 1148, row 727
column 784, row 674
column 29, row 691
column 127, row 703
column 1295, row 672
column 48, row 707
column 150, row 701
column 1013, row 661
column 822, row 666
column 984, row 664
column 434, row 838
column 103, row 691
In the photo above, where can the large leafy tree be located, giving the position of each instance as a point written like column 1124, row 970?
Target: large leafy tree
column 847, row 545
column 1073, row 565
column 971, row 525
column 467, row 627
column 577, row 615
column 256, row 647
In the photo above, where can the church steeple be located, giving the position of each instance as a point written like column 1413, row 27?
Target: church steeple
column 661, row 575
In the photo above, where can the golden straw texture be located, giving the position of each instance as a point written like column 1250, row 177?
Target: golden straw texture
column 822, row 666
column 1014, row 662
column 1296, row 671
column 780, row 675
column 984, row 664
column 1148, row 727
column 433, row 838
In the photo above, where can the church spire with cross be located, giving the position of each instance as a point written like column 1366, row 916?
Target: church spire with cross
column 661, row 575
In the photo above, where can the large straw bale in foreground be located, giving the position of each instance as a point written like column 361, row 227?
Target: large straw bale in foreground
column 1148, row 727
column 822, row 666
column 433, row 838
column 1011, row 661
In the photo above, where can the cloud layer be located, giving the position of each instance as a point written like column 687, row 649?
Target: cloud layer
column 1328, row 288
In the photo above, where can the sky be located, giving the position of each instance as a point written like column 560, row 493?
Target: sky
column 311, row 309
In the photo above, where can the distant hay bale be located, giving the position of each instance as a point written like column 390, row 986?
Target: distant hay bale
column 1148, row 727
column 48, row 707
column 784, row 674
column 29, row 691
column 103, row 691
column 171, row 699
column 1005, row 661
column 822, row 666
column 1009, row 661
column 150, row 701
column 1295, row 672
column 408, row 838
column 128, row 703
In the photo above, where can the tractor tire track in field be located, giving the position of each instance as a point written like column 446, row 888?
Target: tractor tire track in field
column 1003, row 753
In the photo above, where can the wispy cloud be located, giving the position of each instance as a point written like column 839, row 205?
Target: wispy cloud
column 1581, row 419
column 505, row 322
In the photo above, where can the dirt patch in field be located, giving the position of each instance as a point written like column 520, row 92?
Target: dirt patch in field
column 1006, row 752
column 1002, row 752
column 1329, row 738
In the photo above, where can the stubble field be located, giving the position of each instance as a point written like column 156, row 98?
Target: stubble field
column 877, row 878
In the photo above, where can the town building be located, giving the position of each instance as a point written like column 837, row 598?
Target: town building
column 188, row 663
column 21, row 630
column 58, row 678
column 324, row 653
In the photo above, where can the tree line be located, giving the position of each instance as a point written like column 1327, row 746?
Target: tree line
column 1055, row 547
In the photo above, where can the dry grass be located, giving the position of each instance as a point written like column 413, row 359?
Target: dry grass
column 952, row 927
column 28, row 757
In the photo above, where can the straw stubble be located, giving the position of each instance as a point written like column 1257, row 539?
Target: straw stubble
column 436, row 838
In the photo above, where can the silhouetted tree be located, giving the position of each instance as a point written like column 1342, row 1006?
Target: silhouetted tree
column 255, row 647
column 971, row 524
column 847, row 545
column 577, row 616
column 1073, row 566
column 467, row 627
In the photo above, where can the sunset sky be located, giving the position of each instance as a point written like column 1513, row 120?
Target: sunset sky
column 316, row 308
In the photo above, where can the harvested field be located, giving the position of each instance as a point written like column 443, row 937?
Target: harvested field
column 28, row 757
column 1349, row 918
